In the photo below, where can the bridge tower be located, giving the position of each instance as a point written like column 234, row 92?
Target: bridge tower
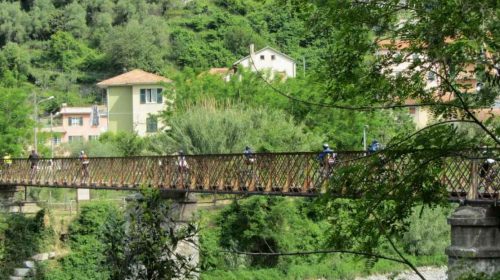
column 7, row 194
column 475, row 240
column 475, row 233
column 183, row 211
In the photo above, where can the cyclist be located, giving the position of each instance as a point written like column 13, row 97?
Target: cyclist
column 486, row 171
column 7, row 160
column 182, row 168
column 33, row 159
column 249, row 156
column 326, row 156
column 182, row 164
column 374, row 147
column 84, row 159
column 326, row 159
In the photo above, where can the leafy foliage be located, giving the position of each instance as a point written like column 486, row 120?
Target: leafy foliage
column 147, row 247
column 87, row 246
column 22, row 237
column 209, row 128
column 265, row 224
column 15, row 123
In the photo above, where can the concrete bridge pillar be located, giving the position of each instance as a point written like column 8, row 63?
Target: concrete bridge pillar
column 475, row 241
column 7, row 194
column 183, row 212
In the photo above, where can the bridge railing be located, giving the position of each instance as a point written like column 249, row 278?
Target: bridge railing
column 273, row 173
column 460, row 175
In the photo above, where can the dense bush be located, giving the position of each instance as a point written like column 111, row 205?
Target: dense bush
column 86, row 259
column 21, row 237
column 427, row 234
column 261, row 224
column 207, row 128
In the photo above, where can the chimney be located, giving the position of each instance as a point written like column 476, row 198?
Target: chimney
column 252, row 49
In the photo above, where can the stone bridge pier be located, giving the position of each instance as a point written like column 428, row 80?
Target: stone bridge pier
column 475, row 240
column 7, row 194
column 183, row 211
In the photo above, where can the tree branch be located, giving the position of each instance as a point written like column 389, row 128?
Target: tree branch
column 304, row 253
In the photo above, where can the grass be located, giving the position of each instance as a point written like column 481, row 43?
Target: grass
column 333, row 267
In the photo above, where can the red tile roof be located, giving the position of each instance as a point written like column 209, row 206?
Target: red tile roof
column 134, row 77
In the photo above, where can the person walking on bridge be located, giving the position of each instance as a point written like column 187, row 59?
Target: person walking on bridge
column 249, row 156
column 487, row 171
column 84, row 159
column 7, row 160
column 182, row 169
column 33, row 159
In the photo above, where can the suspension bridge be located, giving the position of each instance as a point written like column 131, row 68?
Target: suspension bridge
column 284, row 174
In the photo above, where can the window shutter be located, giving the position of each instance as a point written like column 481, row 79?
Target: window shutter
column 159, row 96
column 143, row 96
column 81, row 121
column 69, row 121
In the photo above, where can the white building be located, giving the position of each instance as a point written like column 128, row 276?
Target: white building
column 271, row 60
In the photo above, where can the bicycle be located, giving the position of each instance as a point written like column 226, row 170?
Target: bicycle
column 181, row 177
column 248, row 175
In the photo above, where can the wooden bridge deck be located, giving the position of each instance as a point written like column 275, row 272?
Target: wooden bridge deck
column 288, row 174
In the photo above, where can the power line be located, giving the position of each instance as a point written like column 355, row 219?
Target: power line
column 343, row 107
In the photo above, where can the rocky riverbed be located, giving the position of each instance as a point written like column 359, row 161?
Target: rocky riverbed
column 430, row 273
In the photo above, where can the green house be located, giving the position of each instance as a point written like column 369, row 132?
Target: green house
column 134, row 100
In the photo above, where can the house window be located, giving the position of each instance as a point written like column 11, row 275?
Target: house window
column 75, row 139
column 151, row 124
column 151, row 96
column 72, row 121
column 273, row 57
column 262, row 57
column 93, row 137
column 56, row 140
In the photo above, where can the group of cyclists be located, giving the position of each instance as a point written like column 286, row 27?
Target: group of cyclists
column 326, row 159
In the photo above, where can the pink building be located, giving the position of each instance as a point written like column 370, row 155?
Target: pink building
column 78, row 124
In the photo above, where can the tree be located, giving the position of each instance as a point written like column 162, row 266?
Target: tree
column 74, row 20
column 13, row 23
column 364, row 42
column 132, row 46
column 126, row 144
column 208, row 128
column 268, row 225
column 149, row 247
column 342, row 129
column 42, row 16
column 67, row 53
column 15, row 121
column 16, row 64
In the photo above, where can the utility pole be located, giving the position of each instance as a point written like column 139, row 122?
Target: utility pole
column 364, row 137
column 304, row 65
